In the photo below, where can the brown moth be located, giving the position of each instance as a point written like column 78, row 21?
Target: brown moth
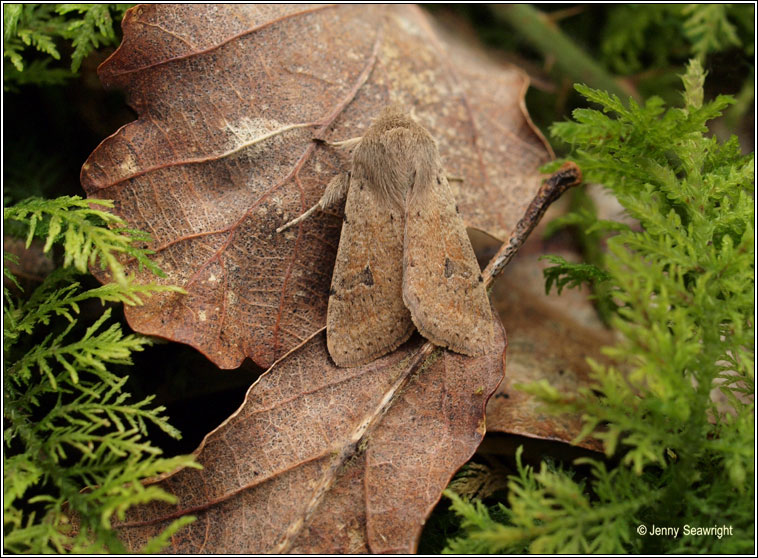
column 404, row 258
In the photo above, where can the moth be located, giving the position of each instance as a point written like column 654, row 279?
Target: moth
column 404, row 260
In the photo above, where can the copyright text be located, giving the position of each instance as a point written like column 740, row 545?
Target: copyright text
column 717, row 531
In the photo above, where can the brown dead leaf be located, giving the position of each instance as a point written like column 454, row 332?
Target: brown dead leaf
column 326, row 460
column 318, row 459
column 229, row 99
column 550, row 337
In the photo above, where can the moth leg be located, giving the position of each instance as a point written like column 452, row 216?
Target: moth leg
column 335, row 191
column 451, row 178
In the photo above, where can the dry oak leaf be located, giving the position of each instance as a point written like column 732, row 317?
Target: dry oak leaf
column 550, row 338
column 230, row 99
column 327, row 460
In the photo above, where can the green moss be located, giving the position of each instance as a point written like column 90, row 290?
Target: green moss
column 683, row 289
column 35, row 34
column 68, row 423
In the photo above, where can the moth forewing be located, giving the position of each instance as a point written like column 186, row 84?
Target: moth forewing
column 366, row 317
column 442, row 284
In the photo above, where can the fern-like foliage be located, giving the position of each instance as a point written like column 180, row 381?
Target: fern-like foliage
column 69, row 424
column 652, row 36
column 565, row 273
column 90, row 236
column 676, row 412
column 549, row 512
column 30, row 30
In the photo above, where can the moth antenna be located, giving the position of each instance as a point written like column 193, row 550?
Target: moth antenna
column 344, row 144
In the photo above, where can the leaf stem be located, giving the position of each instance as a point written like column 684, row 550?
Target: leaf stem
column 564, row 178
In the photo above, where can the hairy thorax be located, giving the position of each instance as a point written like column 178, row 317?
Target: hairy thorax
column 391, row 158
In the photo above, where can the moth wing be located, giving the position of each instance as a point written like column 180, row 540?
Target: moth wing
column 366, row 317
column 442, row 284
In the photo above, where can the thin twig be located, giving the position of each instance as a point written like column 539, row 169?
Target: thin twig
column 567, row 176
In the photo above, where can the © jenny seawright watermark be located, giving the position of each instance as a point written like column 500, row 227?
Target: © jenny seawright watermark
column 717, row 531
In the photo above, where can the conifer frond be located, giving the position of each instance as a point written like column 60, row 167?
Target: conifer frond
column 60, row 295
column 45, row 28
column 683, row 289
column 89, row 236
column 654, row 37
column 69, row 423
column 567, row 274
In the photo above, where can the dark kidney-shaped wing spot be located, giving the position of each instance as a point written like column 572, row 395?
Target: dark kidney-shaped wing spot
column 350, row 282
column 366, row 277
column 448, row 268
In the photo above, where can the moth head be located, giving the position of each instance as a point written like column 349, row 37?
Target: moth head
column 395, row 116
